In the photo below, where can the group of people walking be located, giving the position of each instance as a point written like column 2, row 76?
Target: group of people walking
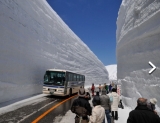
column 106, row 104
column 103, row 105
column 105, row 86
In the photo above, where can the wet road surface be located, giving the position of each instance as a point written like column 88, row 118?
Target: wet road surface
column 29, row 113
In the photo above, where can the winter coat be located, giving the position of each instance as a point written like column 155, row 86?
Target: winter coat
column 78, row 120
column 92, row 88
column 115, row 103
column 98, row 114
column 142, row 114
column 96, row 100
column 81, row 107
column 88, row 96
column 105, row 102
column 110, row 87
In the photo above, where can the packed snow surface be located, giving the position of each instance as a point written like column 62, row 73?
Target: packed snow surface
column 34, row 38
column 138, row 42
column 112, row 71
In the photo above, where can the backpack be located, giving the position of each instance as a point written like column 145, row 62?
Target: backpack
column 80, row 111
column 111, row 98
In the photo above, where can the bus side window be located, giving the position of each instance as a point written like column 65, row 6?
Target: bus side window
column 83, row 79
column 75, row 77
column 45, row 78
column 80, row 78
column 69, row 77
column 72, row 77
column 63, row 77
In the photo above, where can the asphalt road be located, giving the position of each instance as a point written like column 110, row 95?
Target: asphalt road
column 50, row 110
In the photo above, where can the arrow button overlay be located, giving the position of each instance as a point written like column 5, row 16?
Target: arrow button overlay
column 153, row 67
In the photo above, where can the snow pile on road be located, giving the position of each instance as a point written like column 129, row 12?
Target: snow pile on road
column 138, row 34
column 22, row 103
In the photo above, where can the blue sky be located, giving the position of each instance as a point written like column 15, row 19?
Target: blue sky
column 94, row 22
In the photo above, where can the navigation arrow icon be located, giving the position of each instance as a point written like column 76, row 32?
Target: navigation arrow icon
column 152, row 65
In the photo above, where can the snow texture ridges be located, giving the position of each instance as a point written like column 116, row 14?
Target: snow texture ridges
column 138, row 42
column 34, row 38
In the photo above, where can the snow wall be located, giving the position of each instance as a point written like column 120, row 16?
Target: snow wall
column 112, row 72
column 138, row 42
column 34, row 38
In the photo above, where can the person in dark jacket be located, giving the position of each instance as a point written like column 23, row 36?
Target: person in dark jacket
column 107, row 86
column 88, row 96
column 142, row 114
column 81, row 107
column 110, row 88
column 95, row 98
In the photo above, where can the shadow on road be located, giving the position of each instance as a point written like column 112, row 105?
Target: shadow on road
column 58, row 97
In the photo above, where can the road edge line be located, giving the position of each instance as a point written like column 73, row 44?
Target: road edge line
column 48, row 111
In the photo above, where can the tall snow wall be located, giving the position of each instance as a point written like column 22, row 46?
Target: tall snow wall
column 138, row 42
column 34, row 38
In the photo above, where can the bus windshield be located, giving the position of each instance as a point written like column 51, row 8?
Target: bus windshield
column 54, row 78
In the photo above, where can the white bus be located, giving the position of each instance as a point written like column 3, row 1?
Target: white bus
column 61, row 82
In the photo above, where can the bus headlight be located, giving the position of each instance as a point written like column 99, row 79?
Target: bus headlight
column 45, row 88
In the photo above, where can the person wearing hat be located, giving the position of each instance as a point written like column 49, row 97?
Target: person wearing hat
column 81, row 107
column 151, row 104
column 98, row 112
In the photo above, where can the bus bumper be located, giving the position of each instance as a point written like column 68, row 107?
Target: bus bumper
column 54, row 93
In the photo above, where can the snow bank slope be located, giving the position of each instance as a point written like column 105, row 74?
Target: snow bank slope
column 138, row 42
column 112, row 71
column 33, row 39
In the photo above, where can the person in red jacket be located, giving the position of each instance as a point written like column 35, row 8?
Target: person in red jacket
column 92, row 89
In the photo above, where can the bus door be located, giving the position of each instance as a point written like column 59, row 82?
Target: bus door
column 66, row 83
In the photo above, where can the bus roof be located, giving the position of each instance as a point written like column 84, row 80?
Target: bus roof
column 61, row 70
